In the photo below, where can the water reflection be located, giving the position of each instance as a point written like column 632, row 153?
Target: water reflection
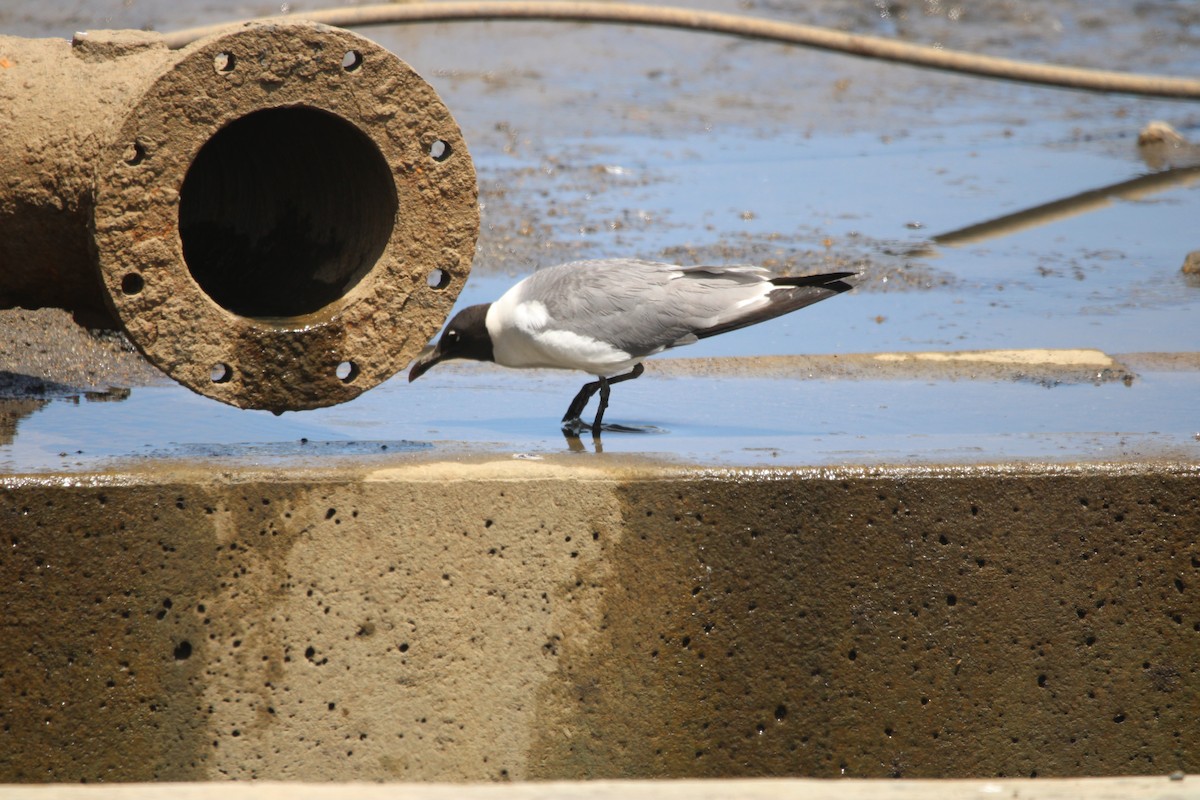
column 22, row 396
column 573, row 431
column 1134, row 189
column 576, row 445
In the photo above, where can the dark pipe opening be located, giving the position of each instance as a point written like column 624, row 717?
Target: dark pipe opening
column 284, row 210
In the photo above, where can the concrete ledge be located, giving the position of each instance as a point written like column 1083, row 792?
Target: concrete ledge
column 1040, row 365
column 1175, row 787
column 536, row 620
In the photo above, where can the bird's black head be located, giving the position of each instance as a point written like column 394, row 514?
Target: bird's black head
column 465, row 337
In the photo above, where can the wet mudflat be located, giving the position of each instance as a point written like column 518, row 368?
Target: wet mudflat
column 595, row 141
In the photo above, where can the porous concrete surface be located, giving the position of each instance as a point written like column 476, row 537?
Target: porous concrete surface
column 513, row 620
column 1161, row 788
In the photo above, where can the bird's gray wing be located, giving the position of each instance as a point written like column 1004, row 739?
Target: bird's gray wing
column 644, row 307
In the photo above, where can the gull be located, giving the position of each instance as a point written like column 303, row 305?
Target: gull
column 604, row 317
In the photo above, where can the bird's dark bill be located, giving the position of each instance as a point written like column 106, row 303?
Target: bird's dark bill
column 423, row 364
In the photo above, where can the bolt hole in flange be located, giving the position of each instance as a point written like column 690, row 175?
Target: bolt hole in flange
column 135, row 154
column 283, row 211
column 439, row 150
column 133, row 284
column 346, row 371
column 352, row 60
column 221, row 373
column 224, row 62
column 438, row 279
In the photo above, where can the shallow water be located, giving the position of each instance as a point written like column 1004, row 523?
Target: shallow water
column 705, row 420
column 605, row 142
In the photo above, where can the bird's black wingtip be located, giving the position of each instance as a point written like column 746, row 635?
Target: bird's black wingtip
column 834, row 281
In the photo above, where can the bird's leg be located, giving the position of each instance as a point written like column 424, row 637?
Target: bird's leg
column 636, row 372
column 604, row 392
column 605, row 383
column 580, row 402
column 571, row 418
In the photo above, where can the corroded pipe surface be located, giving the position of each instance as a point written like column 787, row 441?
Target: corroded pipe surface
column 278, row 216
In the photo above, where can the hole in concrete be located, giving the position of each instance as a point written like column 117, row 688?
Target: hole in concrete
column 135, row 154
column 183, row 650
column 284, row 211
column 352, row 60
column 220, row 373
column 439, row 150
column 438, row 279
column 224, row 62
column 132, row 283
column 346, row 371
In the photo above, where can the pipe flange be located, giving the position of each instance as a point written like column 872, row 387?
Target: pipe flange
column 285, row 217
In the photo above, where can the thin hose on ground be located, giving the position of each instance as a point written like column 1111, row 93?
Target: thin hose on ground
column 743, row 27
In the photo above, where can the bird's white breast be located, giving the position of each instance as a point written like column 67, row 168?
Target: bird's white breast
column 523, row 334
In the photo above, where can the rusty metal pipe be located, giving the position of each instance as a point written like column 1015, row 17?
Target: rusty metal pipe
column 278, row 216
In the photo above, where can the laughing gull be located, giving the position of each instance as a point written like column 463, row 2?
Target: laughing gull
column 606, row 317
